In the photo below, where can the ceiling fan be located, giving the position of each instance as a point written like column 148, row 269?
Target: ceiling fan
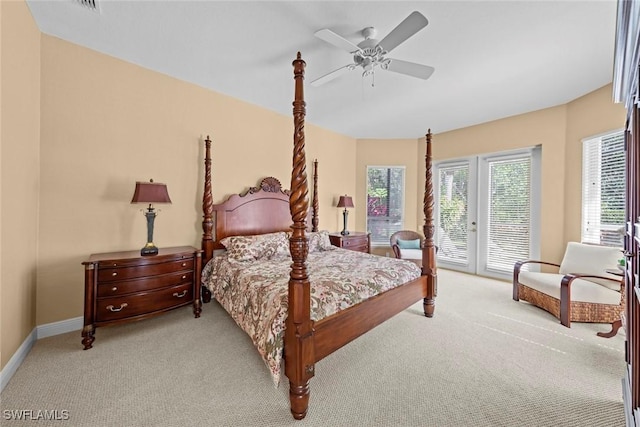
column 371, row 53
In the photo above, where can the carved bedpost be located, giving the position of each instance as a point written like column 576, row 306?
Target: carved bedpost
column 298, row 340
column 316, row 206
column 207, row 206
column 429, row 267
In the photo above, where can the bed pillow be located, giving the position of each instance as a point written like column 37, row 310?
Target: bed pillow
column 408, row 244
column 226, row 242
column 260, row 246
column 242, row 248
column 319, row 241
column 273, row 245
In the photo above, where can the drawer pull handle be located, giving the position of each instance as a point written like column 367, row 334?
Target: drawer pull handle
column 115, row 288
column 180, row 295
column 184, row 264
column 114, row 273
column 112, row 308
column 184, row 276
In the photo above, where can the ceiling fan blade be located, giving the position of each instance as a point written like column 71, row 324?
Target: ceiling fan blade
column 332, row 75
column 411, row 25
column 411, row 69
column 336, row 40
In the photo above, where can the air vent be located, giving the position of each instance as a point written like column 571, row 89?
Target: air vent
column 89, row 4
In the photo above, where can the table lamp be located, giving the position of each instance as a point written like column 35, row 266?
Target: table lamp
column 345, row 202
column 150, row 192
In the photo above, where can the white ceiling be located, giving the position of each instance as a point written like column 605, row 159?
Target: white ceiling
column 492, row 59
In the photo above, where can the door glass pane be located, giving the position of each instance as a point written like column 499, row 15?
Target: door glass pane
column 509, row 205
column 452, row 233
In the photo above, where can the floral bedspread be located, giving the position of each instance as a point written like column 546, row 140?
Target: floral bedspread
column 255, row 293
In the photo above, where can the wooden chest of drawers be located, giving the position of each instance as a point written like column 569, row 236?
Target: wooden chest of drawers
column 355, row 241
column 125, row 286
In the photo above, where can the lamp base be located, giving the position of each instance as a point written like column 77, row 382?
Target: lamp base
column 345, row 215
column 149, row 250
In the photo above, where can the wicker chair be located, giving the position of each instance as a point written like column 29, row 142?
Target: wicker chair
column 409, row 251
column 581, row 291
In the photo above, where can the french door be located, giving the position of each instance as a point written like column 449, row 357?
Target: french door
column 487, row 211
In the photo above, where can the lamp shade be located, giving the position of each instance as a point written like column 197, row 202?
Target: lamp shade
column 345, row 202
column 150, row 192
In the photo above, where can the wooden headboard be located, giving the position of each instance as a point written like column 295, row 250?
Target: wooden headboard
column 262, row 209
column 259, row 210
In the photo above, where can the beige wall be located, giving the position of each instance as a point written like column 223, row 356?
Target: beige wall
column 2, row 363
column 78, row 128
column 544, row 127
column 590, row 115
column 559, row 131
column 19, row 174
column 107, row 123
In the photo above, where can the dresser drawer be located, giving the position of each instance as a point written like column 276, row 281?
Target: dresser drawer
column 114, row 308
column 109, row 272
column 111, row 289
column 355, row 242
column 361, row 247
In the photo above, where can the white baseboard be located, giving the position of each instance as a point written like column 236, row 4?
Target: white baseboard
column 42, row 331
column 16, row 360
column 61, row 327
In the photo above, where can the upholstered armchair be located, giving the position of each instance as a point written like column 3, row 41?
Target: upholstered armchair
column 407, row 244
column 580, row 291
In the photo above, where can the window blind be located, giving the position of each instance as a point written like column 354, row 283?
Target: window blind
column 452, row 234
column 509, row 212
column 603, row 189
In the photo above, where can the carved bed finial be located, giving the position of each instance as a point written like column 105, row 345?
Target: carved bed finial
column 269, row 185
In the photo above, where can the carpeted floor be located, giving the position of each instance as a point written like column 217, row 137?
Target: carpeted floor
column 483, row 360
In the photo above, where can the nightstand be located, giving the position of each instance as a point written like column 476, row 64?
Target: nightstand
column 355, row 241
column 125, row 286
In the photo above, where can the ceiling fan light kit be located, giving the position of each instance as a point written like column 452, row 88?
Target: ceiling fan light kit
column 371, row 53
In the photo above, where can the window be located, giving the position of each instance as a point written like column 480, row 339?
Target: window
column 603, row 189
column 508, row 229
column 487, row 211
column 385, row 202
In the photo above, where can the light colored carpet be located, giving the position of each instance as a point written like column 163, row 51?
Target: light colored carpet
column 482, row 360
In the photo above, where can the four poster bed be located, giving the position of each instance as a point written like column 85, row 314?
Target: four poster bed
column 318, row 297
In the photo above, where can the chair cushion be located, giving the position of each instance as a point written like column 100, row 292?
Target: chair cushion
column 581, row 258
column 581, row 290
column 408, row 244
column 588, row 259
column 411, row 253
